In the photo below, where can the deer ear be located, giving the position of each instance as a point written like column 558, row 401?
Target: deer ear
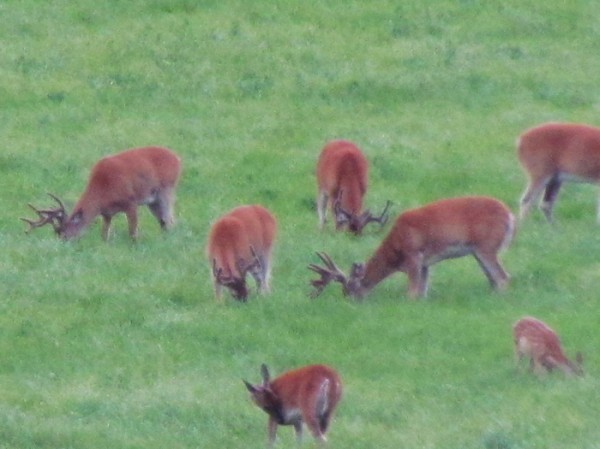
column 251, row 388
column 265, row 374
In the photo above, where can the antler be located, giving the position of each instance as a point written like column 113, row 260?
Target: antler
column 56, row 216
column 367, row 218
column 329, row 273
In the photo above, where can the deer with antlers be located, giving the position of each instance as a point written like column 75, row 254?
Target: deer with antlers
column 241, row 242
column 119, row 183
column 449, row 228
column 342, row 178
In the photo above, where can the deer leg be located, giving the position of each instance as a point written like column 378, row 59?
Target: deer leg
column 162, row 208
column 415, row 277
column 272, row 431
column 298, row 431
column 493, row 270
column 132, row 220
column 106, row 220
column 550, row 195
column 322, row 200
column 531, row 194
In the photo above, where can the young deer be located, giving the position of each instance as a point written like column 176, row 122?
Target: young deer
column 342, row 178
column 120, row 183
column 241, row 242
column 421, row 237
column 306, row 395
column 536, row 340
column 553, row 153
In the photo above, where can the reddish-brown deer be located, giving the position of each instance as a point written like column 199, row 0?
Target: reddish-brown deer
column 307, row 395
column 120, row 183
column 553, row 153
column 342, row 178
column 241, row 242
column 536, row 340
column 449, row 228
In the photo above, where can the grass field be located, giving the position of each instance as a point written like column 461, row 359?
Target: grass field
column 122, row 345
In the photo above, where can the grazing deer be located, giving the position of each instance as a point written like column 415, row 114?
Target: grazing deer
column 120, row 183
column 553, row 153
column 342, row 177
column 305, row 395
column 421, row 237
column 241, row 242
column 536, row 340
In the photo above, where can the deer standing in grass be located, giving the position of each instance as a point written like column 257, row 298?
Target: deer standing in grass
column 449, row 228
column 536, row 340
column 553, row 153
column 120, row 183
column 342, row 178
column 241, row 242
column 307, row 395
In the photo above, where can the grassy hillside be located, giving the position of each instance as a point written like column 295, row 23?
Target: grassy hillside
column 123, row 345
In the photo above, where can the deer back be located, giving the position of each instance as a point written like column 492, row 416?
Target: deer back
column 561, row 148
column 260, row 227
column 229, row 247
column 342, row 171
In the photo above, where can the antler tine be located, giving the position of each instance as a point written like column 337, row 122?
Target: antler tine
column 60, row 203
column 328, row 273
column 367, row 217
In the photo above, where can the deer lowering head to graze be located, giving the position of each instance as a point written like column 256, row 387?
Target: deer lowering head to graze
column 449, row 228
column 307, row 395
column 342, row 178
column 537, row 341
column 120, row 183
column 241, row 242
column 553, row 153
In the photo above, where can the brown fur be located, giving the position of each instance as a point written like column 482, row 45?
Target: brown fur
column 239, row 242
column 122, row 182
column 306, row 395
column 449, row 228
column 536, row 340
column 342, row 172
column 553, row 153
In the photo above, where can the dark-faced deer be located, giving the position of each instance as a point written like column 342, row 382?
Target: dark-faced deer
column 537, row 341
column 553, row 153
column 342, row 178
column 120, row 183
column 241, row 242
column 307, row 395
column 449, row 228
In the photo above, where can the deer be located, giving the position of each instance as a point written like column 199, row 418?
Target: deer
column 342, row 178
column 536, row 340
column 554, row 153
column 119, row 183
column 421, row 237
column 307, row 395
column 241, row 242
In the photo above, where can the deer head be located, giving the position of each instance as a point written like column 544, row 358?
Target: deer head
column 56, row 217
column 237, row 285
column 351, row 285
column 356, row 223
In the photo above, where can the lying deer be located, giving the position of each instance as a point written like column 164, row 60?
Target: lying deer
column 119, row 183
column 342, row 178
column 553, row 153
column 536, row 340
column 306, row 395
column 241, row 242
column 449, row 228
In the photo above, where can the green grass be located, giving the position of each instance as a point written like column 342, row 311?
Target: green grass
column 123, row 345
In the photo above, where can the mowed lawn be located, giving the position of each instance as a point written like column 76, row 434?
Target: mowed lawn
column 123, row 345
